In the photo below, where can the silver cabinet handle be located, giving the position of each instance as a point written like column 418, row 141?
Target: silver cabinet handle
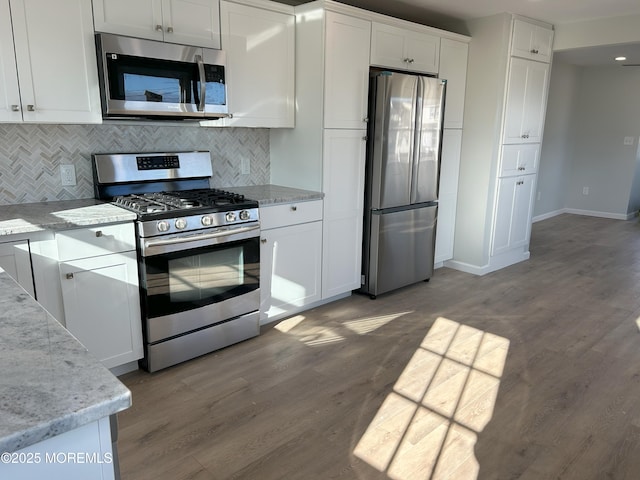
column 364, row 138
column 408, row 60
column 365, row 119
column 15, row 108
column 534, row 51
column 169, row 29
column 69, row 276
column 158, row 28
column 525, row 135
column 521, row 168
column 31, row 108
column 263, row 240
column 294, row 208
column 99, row 233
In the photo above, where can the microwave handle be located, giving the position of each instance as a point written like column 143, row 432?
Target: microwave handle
column 203, row 82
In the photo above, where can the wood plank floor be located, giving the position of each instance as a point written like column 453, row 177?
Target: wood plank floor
column 531, row 372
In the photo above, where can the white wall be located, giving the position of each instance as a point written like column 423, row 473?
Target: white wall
column 557, row 141
column 590, row 112
column 602, row 31
column 607, row 110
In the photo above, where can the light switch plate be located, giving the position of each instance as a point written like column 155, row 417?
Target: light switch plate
column 628, row 140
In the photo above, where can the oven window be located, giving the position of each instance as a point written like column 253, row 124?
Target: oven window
column 180, row 281
column 205, row 275
column 163, row 81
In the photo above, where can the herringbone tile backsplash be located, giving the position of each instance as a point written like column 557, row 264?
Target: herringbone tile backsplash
column 31, row 155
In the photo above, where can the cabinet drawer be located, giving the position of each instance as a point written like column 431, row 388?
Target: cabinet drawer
column 519, row 159
column 290, row 214
column 94, row 241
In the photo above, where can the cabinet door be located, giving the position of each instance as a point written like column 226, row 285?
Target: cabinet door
column 346, row 71
column 512, row 221
column 55, row 37
column 343, row 186
column 290, row 269
column 140, row 18
column 395, row 47
column 10, row 110
column 453, row 68
column 526, row 101
column 519, row 159
column 260, row 47
column 448, row 194
column 531, row 41
column 15, row 260
column 102, row 306
column 192, row 22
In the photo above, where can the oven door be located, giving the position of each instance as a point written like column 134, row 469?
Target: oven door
column 195, row 281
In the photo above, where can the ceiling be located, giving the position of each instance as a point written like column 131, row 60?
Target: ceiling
column 451, row 15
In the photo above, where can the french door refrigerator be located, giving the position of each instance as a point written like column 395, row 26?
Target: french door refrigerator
column 404, row 140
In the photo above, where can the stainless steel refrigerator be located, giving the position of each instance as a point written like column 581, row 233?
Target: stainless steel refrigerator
column 401, row 188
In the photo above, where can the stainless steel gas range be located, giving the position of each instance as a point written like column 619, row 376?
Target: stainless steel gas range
column 198, row 253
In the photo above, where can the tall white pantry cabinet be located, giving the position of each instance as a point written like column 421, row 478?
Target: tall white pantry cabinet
column 326, row 150
column 509, row 64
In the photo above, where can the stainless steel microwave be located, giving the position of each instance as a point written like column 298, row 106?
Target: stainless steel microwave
column 144, row 78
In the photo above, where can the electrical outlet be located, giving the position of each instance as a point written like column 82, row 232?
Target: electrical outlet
column 539, row 194
column 245, row 166
column 68, row 175
column 585, row 190
column 628, row 140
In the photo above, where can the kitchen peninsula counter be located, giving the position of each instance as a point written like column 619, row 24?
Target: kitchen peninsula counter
column 27, row 218
column 50, row 383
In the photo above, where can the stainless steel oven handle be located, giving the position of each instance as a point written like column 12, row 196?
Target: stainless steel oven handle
column 203, row 82
column 197, row 238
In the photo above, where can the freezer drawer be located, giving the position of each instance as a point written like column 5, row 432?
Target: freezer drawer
column 401, row 248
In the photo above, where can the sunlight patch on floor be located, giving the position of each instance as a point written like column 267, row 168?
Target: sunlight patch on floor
column 427, row 428
column 362, row 326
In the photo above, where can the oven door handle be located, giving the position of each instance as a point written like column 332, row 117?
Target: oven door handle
column 198, row 238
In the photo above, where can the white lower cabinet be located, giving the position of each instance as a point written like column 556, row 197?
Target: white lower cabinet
column 15, row 260
column 290, row 258
column 514, row 205
column 100, row 291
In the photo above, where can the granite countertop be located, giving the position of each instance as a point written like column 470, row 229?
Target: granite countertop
column 35, row 217
column 273, row 194
column 50, row 383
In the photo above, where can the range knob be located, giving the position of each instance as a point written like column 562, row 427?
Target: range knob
column 181, row 224
column 206, row 220
column 244, row 215
column 230, row 217
column 163, row 226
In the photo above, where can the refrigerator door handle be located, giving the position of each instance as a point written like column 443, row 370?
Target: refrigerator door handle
column 417, row 139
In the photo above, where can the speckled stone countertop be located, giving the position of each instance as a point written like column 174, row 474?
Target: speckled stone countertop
column 35, row 217
column 273, row 194
column 50, row 383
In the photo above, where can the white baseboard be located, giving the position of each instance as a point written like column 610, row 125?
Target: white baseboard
column 495, row 263
column 544, row 216
column 588, row 213
column 591, row 213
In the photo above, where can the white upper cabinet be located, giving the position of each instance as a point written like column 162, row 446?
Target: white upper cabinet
column 453, row 68
column 526, row 101
column 191, row 22
column 402, row 49
column 260, row 46
column 10, row 108
column 52, row 78
column 346, row 71
column 531, row 41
